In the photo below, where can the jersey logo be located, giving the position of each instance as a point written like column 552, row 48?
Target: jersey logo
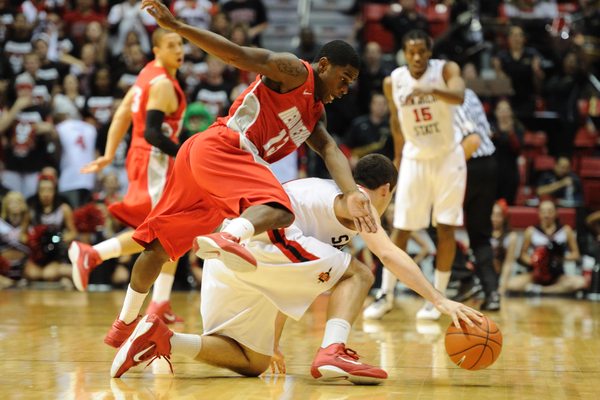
column 306, row 93
column 324, row 276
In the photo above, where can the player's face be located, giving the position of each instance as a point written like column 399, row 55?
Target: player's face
column 417, row 55
column 170, row 51
column 335, row 79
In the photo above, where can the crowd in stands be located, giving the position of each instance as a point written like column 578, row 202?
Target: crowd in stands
column 65, row 65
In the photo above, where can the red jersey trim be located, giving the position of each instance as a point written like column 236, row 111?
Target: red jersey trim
column 292, row 250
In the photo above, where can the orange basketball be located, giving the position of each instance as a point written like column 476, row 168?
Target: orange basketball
column 474, row 348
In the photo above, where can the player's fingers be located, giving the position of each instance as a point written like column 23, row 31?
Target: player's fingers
column 456, row 323
column 371, row 223
column 357, row 224
column 474, row 314
column 272, row 367
column 465, row 318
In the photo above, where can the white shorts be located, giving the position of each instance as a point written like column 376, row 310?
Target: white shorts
column 243, row 306
column 438, row 183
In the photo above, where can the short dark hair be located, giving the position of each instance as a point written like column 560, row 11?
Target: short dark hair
column 417, row 34
column 375, row 170
column 339, row 53
column 158, row 35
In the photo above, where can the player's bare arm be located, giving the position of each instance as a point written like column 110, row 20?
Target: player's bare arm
column 405, row 269
column 162, row 100
column 337, row 164
column 118, row 128
column 470, row 144
column 394, row 122
column 455, row 94
column 285, row 71
column 278, row 359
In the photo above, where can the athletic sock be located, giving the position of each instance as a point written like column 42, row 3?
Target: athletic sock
column 108, row 249
column 131, row 306
column 183, row 344
column 241, row 228
column 336, row 331
column 388, row 282
column 162, row 287
column 441, row 280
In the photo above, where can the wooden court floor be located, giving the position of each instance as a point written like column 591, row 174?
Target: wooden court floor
column 51, row 348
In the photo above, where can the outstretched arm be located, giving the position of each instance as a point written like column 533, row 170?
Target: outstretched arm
column 117, row 130
column 404, row 268
column 337, row 164
column 284, row 68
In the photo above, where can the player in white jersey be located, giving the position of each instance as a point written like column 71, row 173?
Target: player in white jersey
column 432, row 174
column 244, row 313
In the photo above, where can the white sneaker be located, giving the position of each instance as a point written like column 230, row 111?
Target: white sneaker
column 428, row 312
column 383, row 304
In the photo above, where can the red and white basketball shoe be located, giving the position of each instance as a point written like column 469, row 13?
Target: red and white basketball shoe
column 120, row 332
column 163, row 310
column 226, row 248
column 150, row 340
column 84, row 259
column 338, row 362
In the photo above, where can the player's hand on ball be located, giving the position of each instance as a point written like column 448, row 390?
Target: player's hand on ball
column 95, row 166
column 359, row 207
column 278, row 361
column 161, row 13
column 459, row 311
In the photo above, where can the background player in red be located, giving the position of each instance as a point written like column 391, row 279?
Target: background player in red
column 155, row 105
column 224, row 173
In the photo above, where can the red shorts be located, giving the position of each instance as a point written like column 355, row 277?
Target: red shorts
column 148, row 172
column 212, row 179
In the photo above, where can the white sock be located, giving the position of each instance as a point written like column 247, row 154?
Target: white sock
column 162, row 287
column 388, row 281
column 108, row 249
column 131, row 306
column 336, row 331
column 441, row 280
column 183, row 344
column 241, row 228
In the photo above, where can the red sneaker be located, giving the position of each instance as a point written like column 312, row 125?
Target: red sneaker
column 120, row 332
column 150, row 340
column 338, row 362
column 226, row 248
column 84, row 259
column 163, row 310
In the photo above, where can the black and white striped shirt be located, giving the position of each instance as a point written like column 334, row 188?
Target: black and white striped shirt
column 470, row 118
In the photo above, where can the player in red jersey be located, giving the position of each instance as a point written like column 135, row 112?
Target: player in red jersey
column 156, row 106
column 224, row 172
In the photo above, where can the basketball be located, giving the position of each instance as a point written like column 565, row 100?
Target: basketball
column 474, row 348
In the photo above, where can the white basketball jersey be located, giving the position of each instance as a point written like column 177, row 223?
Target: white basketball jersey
column 78, row 141
column 427, row 122
column 312, row 201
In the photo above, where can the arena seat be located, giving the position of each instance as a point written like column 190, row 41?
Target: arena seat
column 590, row 168
column 523, row 217
column 373, row 31
column 591, row 194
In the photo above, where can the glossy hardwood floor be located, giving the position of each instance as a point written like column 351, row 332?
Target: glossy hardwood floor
column 51, row 348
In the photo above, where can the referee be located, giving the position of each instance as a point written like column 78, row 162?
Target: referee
column 471, row 123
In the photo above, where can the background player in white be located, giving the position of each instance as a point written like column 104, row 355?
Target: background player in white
column 422, row 97
column 244, row 314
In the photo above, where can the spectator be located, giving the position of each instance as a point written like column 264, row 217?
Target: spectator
column 197, row 119
column 78, row 143
column 18, row 43
column 95, row 35
column 219, row 24
column 214, row 91
column 126, row 77
column 561, row 183
column 52, row 232
column 507, row 136
column 13, row 237
column 586, row 25
column 28, row 131
column 37, row 10
column 77, row 20
column 251, row 12
column 523, row 66
column 308, row 48
column 562, row 93
column 193, row 12
column 239, row 33
column 552, row 244
column 50, row 72
column 194, row 65
column 42, row 89
column 109, row 193
column 372, row 74
column 371, row 133
column 90, row 64
column 98, row 105
column 504, row 244
column 70, row 100
column 126, row 17
column 399, row 23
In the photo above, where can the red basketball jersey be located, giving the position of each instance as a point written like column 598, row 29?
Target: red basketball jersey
column 172, row 123
column 275, row 123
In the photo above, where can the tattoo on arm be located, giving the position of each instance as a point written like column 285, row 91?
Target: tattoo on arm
column 290, row 67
